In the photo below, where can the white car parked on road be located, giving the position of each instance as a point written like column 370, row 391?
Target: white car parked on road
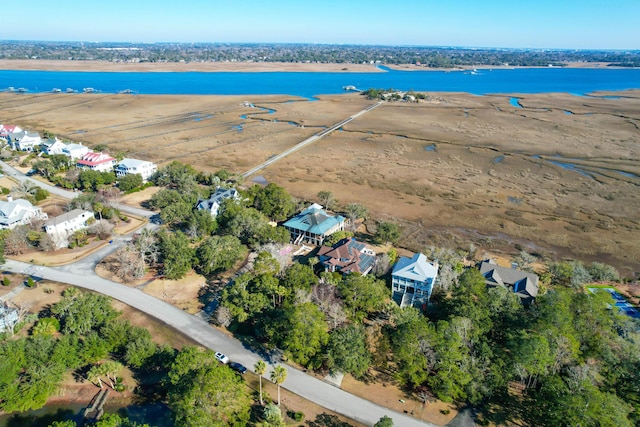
column 222, row 358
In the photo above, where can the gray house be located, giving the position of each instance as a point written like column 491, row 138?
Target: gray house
column 523, row 283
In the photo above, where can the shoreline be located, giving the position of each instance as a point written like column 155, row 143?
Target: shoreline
column 249, row 67
column 183, row 67
column 582, row 65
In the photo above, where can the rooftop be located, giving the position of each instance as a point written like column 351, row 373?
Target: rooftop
column 314, row 220
column 416, row 268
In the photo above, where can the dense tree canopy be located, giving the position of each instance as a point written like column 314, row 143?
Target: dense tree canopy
column 176, row 254
column 130, row 182
column 273, row 201
column 347, row 350
column 362, row 294
column 219, row 253
column 204, row 392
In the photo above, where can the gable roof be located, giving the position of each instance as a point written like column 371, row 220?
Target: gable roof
column 73, row 214
column 416, row 268
column 314, row 220
column 12, row 212
column 93, row 159
column 13, row 208
column 133, row 163
column 214, row 201
column 74, row 146
column 9, row 128
column 524, row 284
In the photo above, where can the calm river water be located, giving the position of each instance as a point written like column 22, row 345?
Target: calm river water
column 577, row 81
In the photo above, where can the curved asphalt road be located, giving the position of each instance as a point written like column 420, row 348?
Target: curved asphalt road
column 200, row 331
column 82, row 274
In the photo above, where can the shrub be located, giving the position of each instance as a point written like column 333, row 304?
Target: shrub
column 297, row 416
column 6, row 281
column 41, row 194
column 30, row 282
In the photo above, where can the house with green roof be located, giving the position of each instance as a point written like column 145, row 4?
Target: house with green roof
column 412, row 281
column 313, row 225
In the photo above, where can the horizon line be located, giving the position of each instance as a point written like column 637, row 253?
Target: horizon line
column 461, row 47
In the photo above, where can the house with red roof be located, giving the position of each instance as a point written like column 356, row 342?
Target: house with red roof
column 101, row 162
column 347, row 256
column 5, row 130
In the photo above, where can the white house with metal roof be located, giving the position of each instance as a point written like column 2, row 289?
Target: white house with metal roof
column 18, row 212
column 213, row 203
column 412, row 280
column 24, row 140
column 75, row 151
column 53, row 147
column 63, row 226
column 132, row 166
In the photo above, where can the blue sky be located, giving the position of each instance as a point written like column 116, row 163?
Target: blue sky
column 585, row 24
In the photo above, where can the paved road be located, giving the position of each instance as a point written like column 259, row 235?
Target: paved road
column 309, row 140
column 82, row 274
column 200, row 331
column 19, row 176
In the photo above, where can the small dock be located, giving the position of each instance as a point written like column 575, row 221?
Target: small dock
column 95, row 411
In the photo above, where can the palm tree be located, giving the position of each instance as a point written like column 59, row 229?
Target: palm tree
column 94, row 374
column 278, row 376
column 98, row 208
column 111, row 369
column 260, row 368
column 47, row 326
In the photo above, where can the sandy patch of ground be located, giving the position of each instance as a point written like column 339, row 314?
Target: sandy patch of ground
column 135, row 199
column 456, row 170
column 290, row 401
column 40, row 297
column 182, row 293
column 52, row 65
column 390, row 396
column 60, row 256
column 6, row 182
column 65, row 255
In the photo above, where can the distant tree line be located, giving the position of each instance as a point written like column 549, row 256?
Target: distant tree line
column 435, row 57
